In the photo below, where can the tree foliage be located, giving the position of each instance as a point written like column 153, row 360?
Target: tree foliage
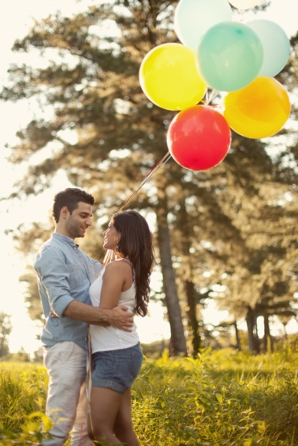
column 235, row 222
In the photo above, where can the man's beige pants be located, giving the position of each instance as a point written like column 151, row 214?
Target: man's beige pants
column 67, row 403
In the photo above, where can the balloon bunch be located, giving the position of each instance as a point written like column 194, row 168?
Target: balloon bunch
column 223, row 55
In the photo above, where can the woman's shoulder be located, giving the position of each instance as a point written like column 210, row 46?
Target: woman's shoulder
column 118, row 265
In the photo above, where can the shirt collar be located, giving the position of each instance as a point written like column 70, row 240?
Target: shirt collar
column 64, row 238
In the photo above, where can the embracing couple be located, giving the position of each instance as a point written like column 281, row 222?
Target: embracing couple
column 78, row 292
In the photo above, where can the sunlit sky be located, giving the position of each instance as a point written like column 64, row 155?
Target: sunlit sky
column 15, row 20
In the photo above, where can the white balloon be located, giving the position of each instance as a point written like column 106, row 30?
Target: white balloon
column 276, row 46
column 194, row 17
column 245, row 4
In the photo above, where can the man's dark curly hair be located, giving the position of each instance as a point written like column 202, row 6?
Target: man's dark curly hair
column 70, row 198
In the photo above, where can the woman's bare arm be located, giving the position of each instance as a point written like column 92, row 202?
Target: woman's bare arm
column 115, row 278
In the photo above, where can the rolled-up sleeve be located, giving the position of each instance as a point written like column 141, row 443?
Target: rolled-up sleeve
column 53, row 276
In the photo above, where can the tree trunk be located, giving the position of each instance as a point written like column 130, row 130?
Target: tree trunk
column 251, row 325
column 178, row 341
column 267, row 334
column 174, row 312
column 238, row 341
column 193, row 325
column 189, row 287
column 256, row 337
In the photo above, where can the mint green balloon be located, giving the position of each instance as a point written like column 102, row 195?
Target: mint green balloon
column 276, row 46
column 229, row 56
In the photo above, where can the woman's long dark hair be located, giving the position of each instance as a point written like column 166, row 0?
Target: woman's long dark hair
column 136, row 245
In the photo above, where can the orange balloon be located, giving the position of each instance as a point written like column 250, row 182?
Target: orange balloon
column 258, row 110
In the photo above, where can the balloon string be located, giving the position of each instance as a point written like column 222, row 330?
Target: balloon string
column 206, row 98
column 212, row 95
column 209, row 96
column 110, row 254
column 164, row 160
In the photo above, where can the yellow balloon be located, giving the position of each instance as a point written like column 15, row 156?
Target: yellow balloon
column 169, row 77
column 258, row 110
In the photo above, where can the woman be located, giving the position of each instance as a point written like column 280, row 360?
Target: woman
column 116, row 355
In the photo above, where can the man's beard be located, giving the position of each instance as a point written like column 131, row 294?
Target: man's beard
column 75, row 230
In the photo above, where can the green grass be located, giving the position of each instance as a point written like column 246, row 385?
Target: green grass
column 223, row 398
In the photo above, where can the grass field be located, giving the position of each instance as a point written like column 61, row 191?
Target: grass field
column 223, row 398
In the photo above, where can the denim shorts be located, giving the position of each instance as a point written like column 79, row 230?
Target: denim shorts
column 116, row 369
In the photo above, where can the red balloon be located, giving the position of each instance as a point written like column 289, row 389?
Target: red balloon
column 199, row 138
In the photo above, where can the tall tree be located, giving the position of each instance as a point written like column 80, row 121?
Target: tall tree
column 5, row 330
column 107, row 136
column 92, row 87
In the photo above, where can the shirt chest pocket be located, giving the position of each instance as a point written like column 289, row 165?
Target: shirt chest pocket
column 77, row 276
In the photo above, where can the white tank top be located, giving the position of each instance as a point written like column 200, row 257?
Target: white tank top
column 111, row 338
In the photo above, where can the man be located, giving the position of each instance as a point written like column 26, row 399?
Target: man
column 65, row 274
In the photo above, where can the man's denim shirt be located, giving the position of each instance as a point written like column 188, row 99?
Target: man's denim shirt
column 65, row 273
